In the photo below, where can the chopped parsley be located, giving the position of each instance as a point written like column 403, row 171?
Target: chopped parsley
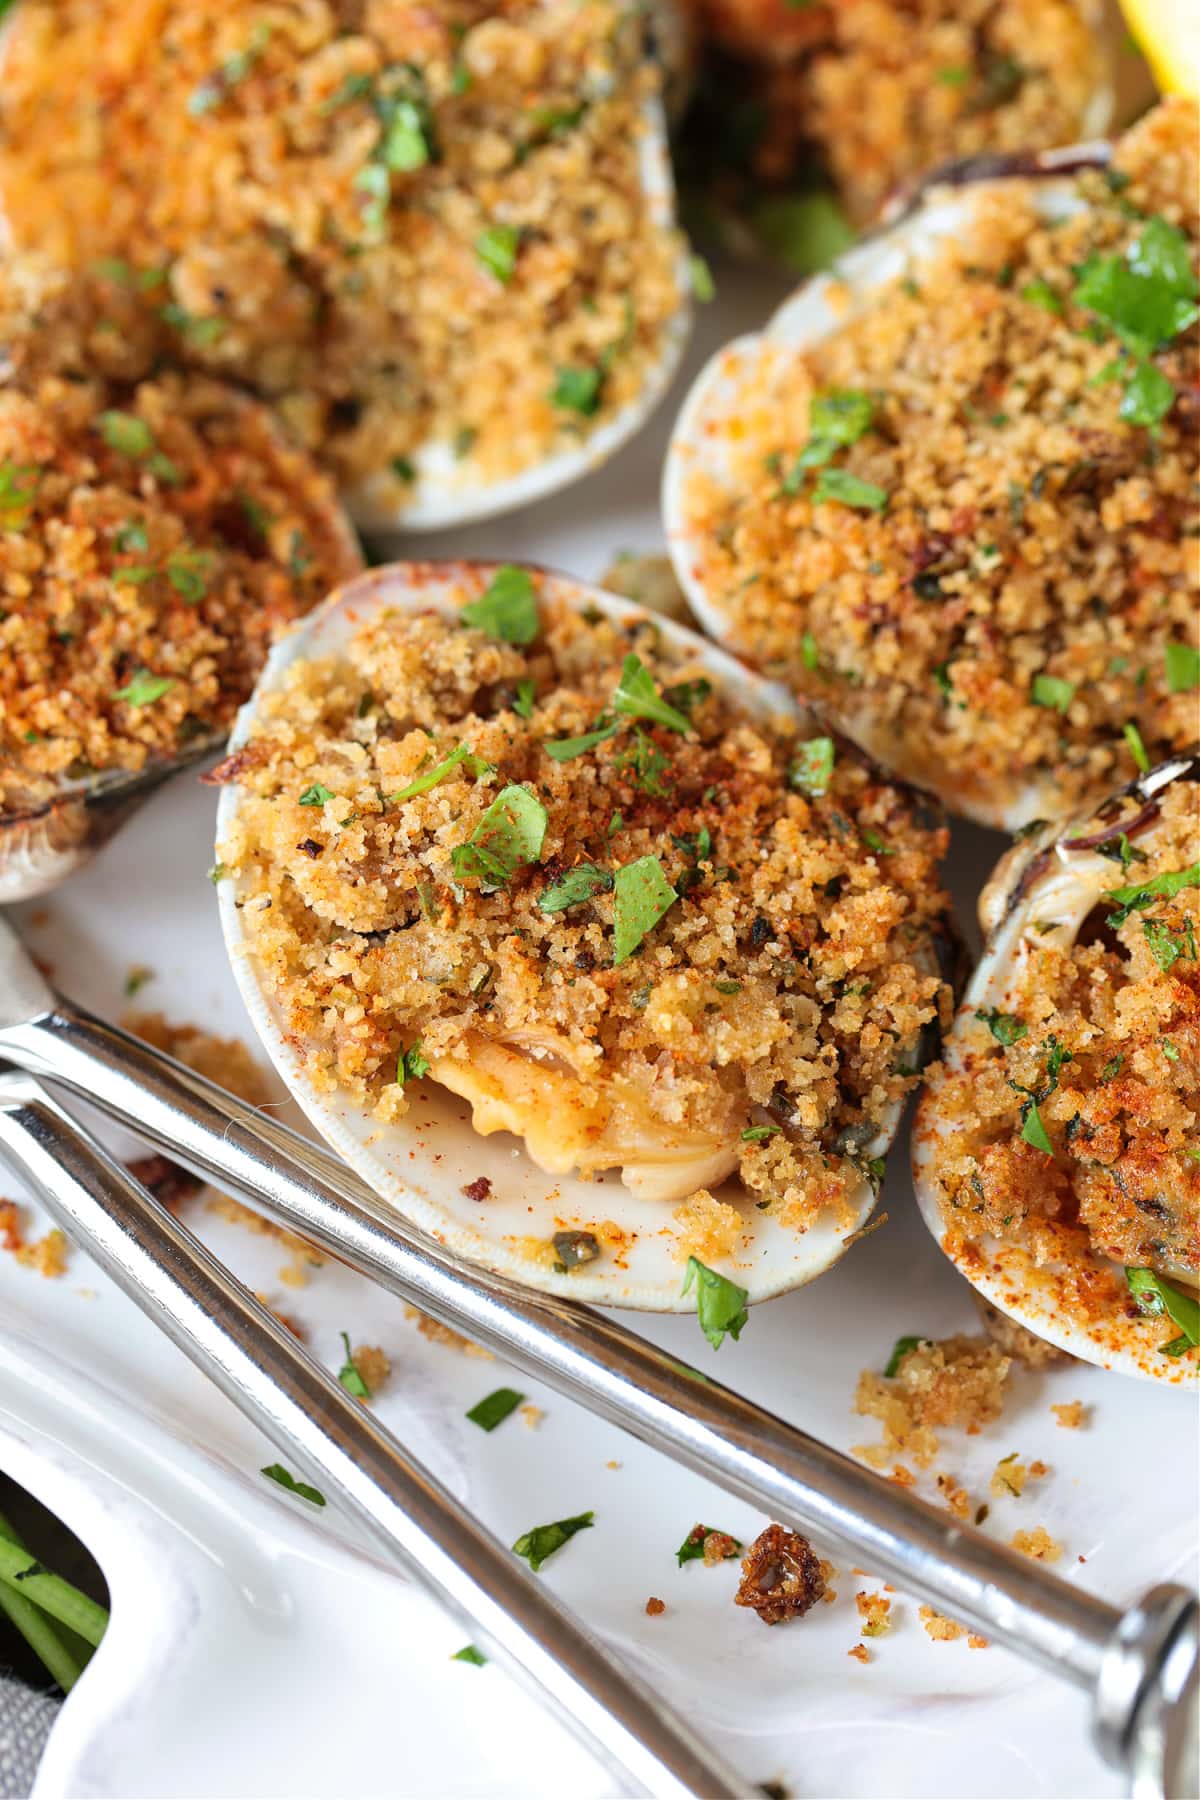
column 1034, row 1131
column 1156, row 1298
column 507, row 609
column 837, row 418
column 508, row 837
column 578, row 389
column 188, row 574
column 637, row 697
column 411, row 1065
column 874, row 842
column 700, row 276
column 1051, row 691
column 542, row 1542
column 806, row 231
column 579, row 884
column 469, row 1654
column 1166, row 946
column 143, row 688
column 277, row 1472
column 811, row 768
column 1147, row 297
column 18, row 486
column 900, row 1350
column 422, row 784
column 692, row 1547
column 131, row 536
column 496, row 248
column 316, row 795
column 1006, row 1028
column 848, row 490
column 348, row 1374
column 523, row 704
column 758, row 1134
column 126, row 433
column 1040, row 293
column 1182, row 668
column 642, row 896
column 1137, row 748
column 566, row 749
column 1160, row 887
column 720, row 1303
column 494, row 1408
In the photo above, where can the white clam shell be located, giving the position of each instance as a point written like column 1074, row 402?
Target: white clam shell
column 446, row 491
column 714, row 424
column 422, row 1164
column 1065, row 892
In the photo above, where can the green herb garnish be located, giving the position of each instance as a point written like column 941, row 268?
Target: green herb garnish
column 811, row 769
column 496, row 247
column 495, row 1408
column 758, row 1134
column 1182, row 668
column 1137, row 748
column 720, row 1303
column 578, row 389
column 316, row 795
column 542, row 1542
column 692, row 1547
column 1006, row 1028
column 411, row 1065
column 1034, row 1131
column 18, row 487
column 1160, row 887
column 642, row 896
column 848, row 490
column 1040, row 293
column 1167, row 946
column 422, row 784
column 143, row 689
column 582, row 883
column 277, row 1472
column 637, row 697
column 523, row 704
column 469, row 1654
column 900, row 1350
column 1051, row 691
column 507, row 609
column 508, row 837
column 348, row 1374
column 1156, row 1297
column 700, row 276
column 126, row 433
column 567, row 749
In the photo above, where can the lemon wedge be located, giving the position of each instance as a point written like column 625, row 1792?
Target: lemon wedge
column 1168, row 35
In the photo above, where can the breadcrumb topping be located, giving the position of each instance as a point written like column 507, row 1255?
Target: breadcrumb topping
column 957, row 1381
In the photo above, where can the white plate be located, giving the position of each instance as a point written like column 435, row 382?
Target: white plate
column 256, row 1650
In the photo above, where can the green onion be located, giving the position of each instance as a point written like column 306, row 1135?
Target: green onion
column 22, row 1574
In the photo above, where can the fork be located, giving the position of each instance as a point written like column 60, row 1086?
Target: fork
column 1141, row 1667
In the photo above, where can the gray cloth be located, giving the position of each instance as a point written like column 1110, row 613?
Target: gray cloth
column 25, row 1721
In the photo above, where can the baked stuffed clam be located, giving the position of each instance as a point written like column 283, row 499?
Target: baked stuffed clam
column 500, row 846
column 154, row 535
column 948, row 494
column 1057, row 1155
column 439, row 239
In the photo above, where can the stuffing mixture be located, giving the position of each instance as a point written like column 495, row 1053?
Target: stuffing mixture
column 154, row 536
column 1066, row 1117
column 964, row 524
column 403, row 224
column 536, row 854
column 955, row 1381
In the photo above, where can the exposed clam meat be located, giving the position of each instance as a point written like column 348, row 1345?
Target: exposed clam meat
column 1055, row 1148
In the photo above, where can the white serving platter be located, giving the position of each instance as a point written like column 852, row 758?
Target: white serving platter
column 257, row 1649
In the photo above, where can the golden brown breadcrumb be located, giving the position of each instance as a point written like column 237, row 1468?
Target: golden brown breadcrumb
column 957, row 1381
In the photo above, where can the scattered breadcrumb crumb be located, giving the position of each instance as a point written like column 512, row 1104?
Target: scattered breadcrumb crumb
column 532, row 1415
column 1017, row 1340
column 827, row 1574
column 782, row 1576
column 612, row 1465
column 860, row 1653
column 938, row 1627
column 11, row 1237
column 1009, row 1476
column 706, row 1228
column 1038, row 1470
column 955, row 1496
column 719, row 1547
column 875, row 1612
column 1038, row 1544
column 1072, row 1415
column 437, row 1333
column 373, row 1364
column 975, row 1642
column 957, row 1381
column 48, row 1255
column 654, row 1606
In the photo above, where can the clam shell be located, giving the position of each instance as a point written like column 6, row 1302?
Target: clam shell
column 422, row 1164
column 1057, row 880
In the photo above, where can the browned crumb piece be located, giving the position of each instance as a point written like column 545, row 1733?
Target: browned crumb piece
column 955, row 1496
column 48, row 1255
column 612, row 1465
column 1016, row 1340
column 1009, row 1476
column 1072, row 1415
column 479, row 1189
column 781, row 1576
column 1038, row 1469
column 11, row 1237
column 860, row 1653
column 223, row 1060
column 827, row 1574
column 1038, row 1544
column 706, row 1228
column 654, row 1606
column 719, row 1547
column 170, row 1184
column 437, row 1333
column 975, row 1642
column 373, row 1366
column 875, row 1611
column 531, row 1416
column 938, row 1627
column 958, row 1381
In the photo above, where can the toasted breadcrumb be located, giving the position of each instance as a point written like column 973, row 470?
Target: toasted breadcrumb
column 975, row 1642
column 224, row 1060
column 719, row 1547
column 955, row 1496
column 706, row 1228
column 437, row 1333
column 1009, row 1476
column 938, row 1627
column 11, row 1237
column 827, row 1574
column 958, row 1381
column 1019, row 1342
column 1038, row 1544
column 875, row 1611
column 48, row 1255
column 373, row 1364
column 1072, row 1415
column 860, row 1653
column 782, row 1577
column 532, row 1416
column 654, row 1606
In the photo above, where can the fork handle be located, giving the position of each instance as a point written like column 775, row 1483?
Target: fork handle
column 258, row 1364
column 1140, row 1668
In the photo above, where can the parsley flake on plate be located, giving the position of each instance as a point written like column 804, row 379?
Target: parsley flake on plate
column 642, row 896
column 509, row 837
column 469, row 1654
column 507, row 609
column 277, row 1472
column 720, row 1303
column 349, row 1375
column 494, row 1408
column 542, row 1541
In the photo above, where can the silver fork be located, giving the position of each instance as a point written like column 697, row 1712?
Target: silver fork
column 1141, row 1667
